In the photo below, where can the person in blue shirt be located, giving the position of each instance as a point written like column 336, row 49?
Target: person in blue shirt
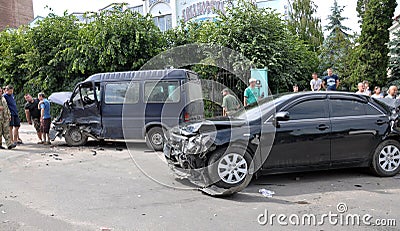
column 331, row 81
column 45, row 117
column 15, row 122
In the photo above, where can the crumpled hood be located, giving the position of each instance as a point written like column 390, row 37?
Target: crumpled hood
column 60, row 97
column 209, row 125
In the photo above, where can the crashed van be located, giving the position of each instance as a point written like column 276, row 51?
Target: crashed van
column 128, row 105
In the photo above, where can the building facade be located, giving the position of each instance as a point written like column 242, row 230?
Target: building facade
column 168, row 14
column 14, row 13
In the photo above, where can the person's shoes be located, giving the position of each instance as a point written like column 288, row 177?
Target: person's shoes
column 40, row 142
column 47, row 143
column 19, row 142
column 1, row 147
column 12, row 146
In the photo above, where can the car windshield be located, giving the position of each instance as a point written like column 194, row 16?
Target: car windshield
column 264, row 106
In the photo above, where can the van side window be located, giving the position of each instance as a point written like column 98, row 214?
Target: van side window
column 115, row 93
column 162, row 92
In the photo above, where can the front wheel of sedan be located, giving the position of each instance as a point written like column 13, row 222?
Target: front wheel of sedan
column 386, row 159
column 230, row 168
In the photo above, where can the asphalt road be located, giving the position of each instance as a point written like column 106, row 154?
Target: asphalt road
column 105, row 186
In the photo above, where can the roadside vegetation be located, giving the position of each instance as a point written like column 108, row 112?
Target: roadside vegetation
column 59, row 51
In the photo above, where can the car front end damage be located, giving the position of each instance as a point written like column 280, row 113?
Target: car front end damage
column 188, row 149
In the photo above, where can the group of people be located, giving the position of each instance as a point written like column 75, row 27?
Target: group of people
column 329, row 83
column 363, row 88
column 37, row 112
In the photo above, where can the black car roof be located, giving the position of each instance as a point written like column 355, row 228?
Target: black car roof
column 330, row 93
column 139, row 75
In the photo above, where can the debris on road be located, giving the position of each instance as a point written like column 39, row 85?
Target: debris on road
column 105, row 229
column 266, row 193
column 3, row 212
column 358, row 185
column 302, row 202
column 93, row 152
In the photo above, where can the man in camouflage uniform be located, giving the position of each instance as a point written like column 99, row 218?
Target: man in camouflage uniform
column 5, row 121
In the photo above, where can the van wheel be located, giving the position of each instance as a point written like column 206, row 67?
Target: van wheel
column 74, row 137
column 155, row 138
column 230, row 168
column 386, row 158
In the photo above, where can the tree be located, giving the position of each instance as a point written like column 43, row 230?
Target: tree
column 361, row 7
column 261, row 36
column 61, row 51
column 372, row 51
column 336, row 47
column 304, row 24
column 394, row 59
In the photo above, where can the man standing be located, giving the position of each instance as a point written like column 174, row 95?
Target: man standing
column 45, row 118
column 229, row 103
column 361, row 89
column 392, row 92
column 331, row 81
column 32, row 114
column 315, row 83
column 252, row 93
column 5, row 117
column 15, row 122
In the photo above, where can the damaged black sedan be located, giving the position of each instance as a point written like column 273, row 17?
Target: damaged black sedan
column 287, row 133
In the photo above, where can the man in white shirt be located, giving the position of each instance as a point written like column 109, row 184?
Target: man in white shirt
column 361, row 89
column 392, row 92
column 315, row 83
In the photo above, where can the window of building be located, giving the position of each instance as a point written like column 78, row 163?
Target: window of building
column 163, row 22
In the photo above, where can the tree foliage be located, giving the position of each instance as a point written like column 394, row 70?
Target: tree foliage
column 305, row 25
column 338, row 44
column 262, row 36
column 372, row 50
column 394, row 59
column 61, row 51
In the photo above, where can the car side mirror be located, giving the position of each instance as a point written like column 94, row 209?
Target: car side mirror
column 280, row 116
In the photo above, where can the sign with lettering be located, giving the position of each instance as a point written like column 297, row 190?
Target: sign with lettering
column 188, row 10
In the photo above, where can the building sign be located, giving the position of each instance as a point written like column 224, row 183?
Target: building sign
column 201, row 9
column 153, row 2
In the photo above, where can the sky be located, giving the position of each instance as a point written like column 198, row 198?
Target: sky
column 59, row 6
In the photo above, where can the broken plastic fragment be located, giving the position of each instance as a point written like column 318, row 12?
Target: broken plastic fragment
column 266, row 193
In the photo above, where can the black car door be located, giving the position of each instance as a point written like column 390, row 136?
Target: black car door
column 303, row 140
column 357, row 126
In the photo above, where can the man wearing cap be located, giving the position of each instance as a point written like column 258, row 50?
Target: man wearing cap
column 229, row 102
column 252, row 93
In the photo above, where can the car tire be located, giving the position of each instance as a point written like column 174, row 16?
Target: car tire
column 386, row 159
column 155, row 138
column 230, row 168
column 75, row 137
